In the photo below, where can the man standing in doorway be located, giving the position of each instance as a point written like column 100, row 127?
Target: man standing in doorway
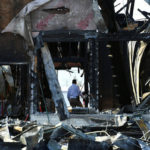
column 73, row 94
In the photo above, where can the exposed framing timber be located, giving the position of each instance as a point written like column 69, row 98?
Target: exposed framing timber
column 54, row 86
column 78, row 35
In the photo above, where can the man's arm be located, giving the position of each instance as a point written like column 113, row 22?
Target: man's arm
column 80, row 93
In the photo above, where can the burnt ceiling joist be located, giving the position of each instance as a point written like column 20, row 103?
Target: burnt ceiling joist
column 78, row 35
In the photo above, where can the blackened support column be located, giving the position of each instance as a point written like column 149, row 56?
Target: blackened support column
column 94, row 72
column 106, row 81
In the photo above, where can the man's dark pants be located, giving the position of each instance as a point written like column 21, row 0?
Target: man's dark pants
column 75, row 102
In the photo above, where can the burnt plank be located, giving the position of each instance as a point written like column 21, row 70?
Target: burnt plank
column 54, row 86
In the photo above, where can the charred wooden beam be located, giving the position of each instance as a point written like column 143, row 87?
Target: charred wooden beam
column 59, row 65
column 108, row 13
column 78, row 35
column 33, row 84
column 54, row 86
column 132, row 8
column 69, row 59
column 144, row 13
column 126, row 5
column 94, row 72
column 106, row 80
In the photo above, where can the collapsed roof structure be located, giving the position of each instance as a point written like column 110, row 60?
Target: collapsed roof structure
column 111, row 47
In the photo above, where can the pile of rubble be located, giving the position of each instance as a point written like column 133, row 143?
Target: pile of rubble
column 110, row 134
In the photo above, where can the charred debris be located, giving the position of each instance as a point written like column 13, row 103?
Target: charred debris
column 102, row 38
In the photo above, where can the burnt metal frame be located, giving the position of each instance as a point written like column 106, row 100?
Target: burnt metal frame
column 94, row 36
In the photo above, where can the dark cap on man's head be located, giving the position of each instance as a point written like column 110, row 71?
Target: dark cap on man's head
column 74, row 81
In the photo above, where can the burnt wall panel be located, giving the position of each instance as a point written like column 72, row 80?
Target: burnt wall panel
column 12, row 49
column 68, row 15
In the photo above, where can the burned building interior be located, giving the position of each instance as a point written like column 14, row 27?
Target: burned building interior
column 100, row 37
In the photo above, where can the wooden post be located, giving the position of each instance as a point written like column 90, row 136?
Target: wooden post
column 53, row 83
column 33, row 94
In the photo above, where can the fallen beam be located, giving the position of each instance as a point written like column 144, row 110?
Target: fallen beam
column 54, row 86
